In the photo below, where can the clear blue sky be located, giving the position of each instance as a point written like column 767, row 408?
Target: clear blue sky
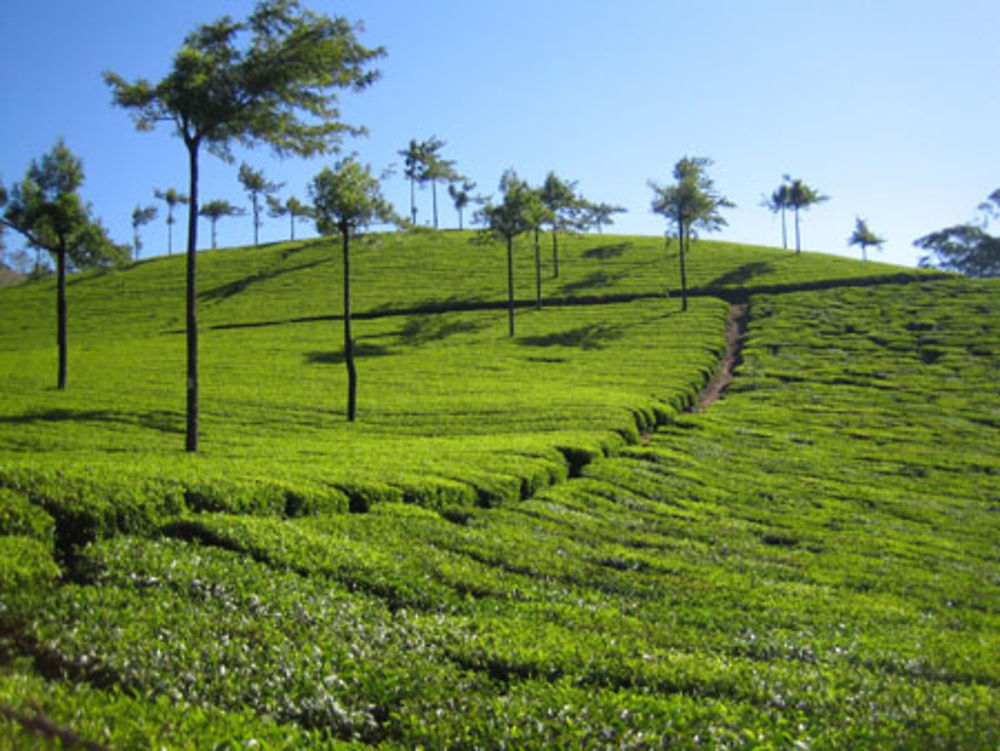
column 890, row 107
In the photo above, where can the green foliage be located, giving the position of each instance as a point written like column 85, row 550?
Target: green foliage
column 966, row 248
column 47, row 209
column 25, row 563
column 546, row 552
column 256, row 186
column 691, row 205
column 347, row 198
column 19, row 516
column 864, row 237
column 801, row 197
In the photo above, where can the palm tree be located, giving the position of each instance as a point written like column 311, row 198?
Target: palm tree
column 461, row 196
column 778, row 201
column 172, row 197
column 215, row 210
column 864, row 237
column 801, row 197
column 413, row 169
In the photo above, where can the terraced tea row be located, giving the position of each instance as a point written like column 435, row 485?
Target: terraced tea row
column 811, row 561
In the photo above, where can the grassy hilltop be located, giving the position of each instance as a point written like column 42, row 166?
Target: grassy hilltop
column 523, row 543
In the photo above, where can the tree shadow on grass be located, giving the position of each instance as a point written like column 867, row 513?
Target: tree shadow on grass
column 742, row 275
column 591, row 281
column 423, row 329
column 161, row 420
column 225, row 291
column 607, row 251
column 336, row 357
column 591, row 336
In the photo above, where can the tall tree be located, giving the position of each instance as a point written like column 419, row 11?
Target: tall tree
column 537, row 214
column 436, row 168
column 413, row 169
column 561, row 200
column 346, row 199
column 141, row 215
column 273, row 79
column 966, row 248
column 864, row 237
column 505, row 221
column 461, row 196
column 293, row 208
column 172, row 198
column 778, row 202
column 216, row 210
column 256, row 186
column 801, row 197
column 690, row 204
column 46, row 208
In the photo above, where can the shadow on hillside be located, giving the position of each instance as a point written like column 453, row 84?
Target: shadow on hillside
column 742, row 275
column 229, row 289
column 337, row 356
column 591, row 336
column 423, row 329
column 592, row 281
column 607, row 251
column 161, row 420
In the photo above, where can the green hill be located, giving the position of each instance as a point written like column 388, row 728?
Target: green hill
column 547, row 548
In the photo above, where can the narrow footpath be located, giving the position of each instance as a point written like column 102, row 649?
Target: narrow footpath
column 736, row 328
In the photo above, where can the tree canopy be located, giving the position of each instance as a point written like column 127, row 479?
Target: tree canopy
column 46, row 208
column 801, row 197
column 271, row 79
column 141, row 215
column 293, row 208
column 967, row 248
column 347, row 198
column 256, row 185
column 172, row 197
column 216, row 210
column 779, row 202
column 690, row 204
column 864, row 238
column 519, row 212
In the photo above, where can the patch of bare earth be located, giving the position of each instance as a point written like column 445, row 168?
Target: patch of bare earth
column 736, row 328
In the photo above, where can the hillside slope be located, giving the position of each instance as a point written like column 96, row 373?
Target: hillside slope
column 812, row 561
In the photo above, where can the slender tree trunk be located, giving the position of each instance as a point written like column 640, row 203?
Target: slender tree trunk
column 352, row 373
column 170, row 231
column 135, row 244
column 413, row 201
column 784, row 231
column 292, row 223
column 555, row 254
column 510, row 286
column 256, row 219
column 459, row 220
column 434, row 198
column 61, row 317
column 683, row 246
column 798, row 246
column 191, row 442
column 538, row 272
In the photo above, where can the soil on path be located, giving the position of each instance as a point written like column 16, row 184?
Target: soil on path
column 736, row 328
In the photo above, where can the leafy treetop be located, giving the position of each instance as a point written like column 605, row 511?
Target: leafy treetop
column 270, row 79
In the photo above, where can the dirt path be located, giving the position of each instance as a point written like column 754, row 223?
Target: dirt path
column 736, row 328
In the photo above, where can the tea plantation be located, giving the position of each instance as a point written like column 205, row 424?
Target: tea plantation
column 526, row 543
